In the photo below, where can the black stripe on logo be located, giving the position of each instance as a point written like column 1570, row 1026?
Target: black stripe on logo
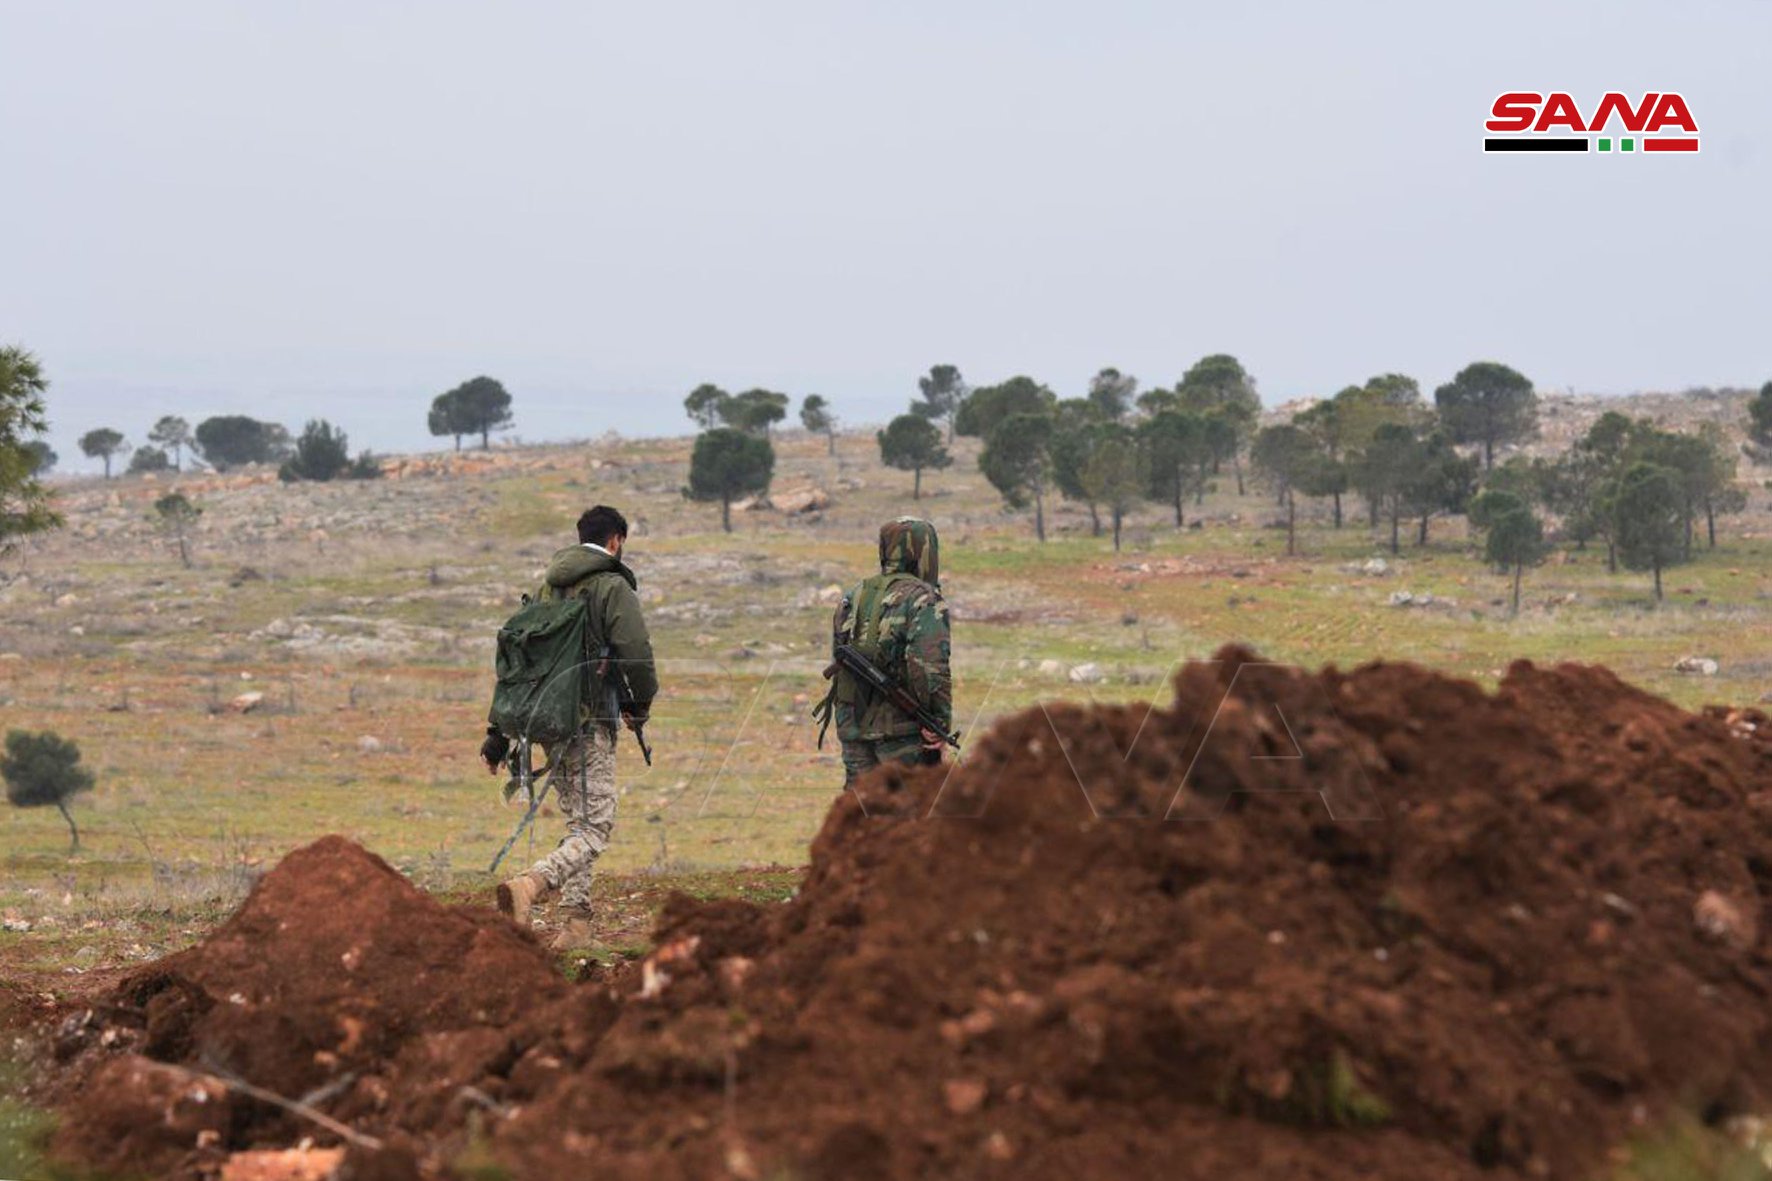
column 1559, row 144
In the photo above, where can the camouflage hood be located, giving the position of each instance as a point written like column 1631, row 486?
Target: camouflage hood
column 576, row 563
column 910, row 545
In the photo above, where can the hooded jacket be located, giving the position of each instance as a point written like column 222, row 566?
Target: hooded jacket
column 914, row 639
column 615, row 620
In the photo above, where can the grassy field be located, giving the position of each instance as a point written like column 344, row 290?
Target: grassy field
column 368, row 628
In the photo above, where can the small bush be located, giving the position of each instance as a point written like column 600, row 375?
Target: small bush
column 366, row 467
column 149, row 459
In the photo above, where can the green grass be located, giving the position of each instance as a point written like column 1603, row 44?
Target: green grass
column 24, row 1131
column 24, row 1135
column 1684, row 1149
column 608, row 955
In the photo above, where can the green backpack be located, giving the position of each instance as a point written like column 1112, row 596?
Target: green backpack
column 542, row 670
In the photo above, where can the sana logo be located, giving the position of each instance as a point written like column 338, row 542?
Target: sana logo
column 1656, row 121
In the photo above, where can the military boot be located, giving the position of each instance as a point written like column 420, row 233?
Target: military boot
column 576, row 932
column 518, row 896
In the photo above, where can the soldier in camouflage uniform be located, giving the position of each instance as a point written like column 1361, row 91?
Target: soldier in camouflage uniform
column 897, row 620
column 583, row 774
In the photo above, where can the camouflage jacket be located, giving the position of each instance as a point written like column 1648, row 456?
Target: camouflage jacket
column 913, row 644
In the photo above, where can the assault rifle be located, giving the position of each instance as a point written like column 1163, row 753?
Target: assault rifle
column 865, row 671
column 619, row 695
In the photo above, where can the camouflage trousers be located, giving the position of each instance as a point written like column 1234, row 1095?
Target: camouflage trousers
column 860, row 757
column 584, row 783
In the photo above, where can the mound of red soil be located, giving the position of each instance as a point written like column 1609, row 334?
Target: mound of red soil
column 331, row 966
column 1375, row 924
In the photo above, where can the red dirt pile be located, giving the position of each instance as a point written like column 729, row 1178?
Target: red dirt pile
column 1373, row 924
column 332, row 965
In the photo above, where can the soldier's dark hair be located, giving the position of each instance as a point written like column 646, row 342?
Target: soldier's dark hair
column 599, row 524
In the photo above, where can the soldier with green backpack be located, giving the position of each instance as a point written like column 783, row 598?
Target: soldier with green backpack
column 573, row 664
column 891, row 693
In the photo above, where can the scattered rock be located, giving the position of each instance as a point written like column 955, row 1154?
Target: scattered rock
column 369, row 744
column 964, row 1096
column 1375, row 566
column 1086, row 674
column 820, row 596
column 740, row 1164
column 1743, row 723
column 796, row 501
column 1721, row 920
column 246, row 702
column 1051, row 668
column 287, row 1164
column 734, row 970
column 972, row 1026
column 1702, row 666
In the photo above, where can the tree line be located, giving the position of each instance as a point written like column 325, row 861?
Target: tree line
column 1639, row 490
column 478, row 406
column 227, row 441
column 1636, row 488
column 1643, row 492
column 1108, row 449
column 1117, row 445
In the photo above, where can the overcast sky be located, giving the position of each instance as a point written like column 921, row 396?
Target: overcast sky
column 342, row 209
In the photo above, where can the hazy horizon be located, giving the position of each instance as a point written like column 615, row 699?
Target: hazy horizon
column 341, row 210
